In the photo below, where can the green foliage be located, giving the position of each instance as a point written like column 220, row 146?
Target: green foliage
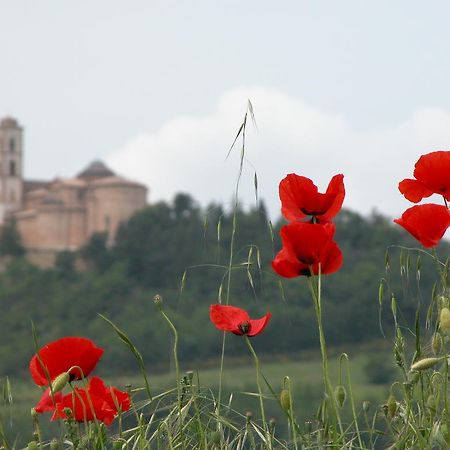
column 10, row 240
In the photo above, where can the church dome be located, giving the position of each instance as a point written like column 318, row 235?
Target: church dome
column 96, row 169
column 9, row 122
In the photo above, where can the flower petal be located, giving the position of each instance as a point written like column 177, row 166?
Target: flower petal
column 427, row 223
column 258, row 325
column 61, row 355
column 414, row 190
column 228, row 318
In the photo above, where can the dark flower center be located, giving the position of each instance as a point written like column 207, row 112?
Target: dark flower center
column 244, row 327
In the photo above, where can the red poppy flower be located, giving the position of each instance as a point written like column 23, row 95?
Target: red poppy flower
column 77, row 354
column 427, row 223
column 432, row 173
column 96, row 401
column 305, row 246
column 237, row 320
column 300, row 197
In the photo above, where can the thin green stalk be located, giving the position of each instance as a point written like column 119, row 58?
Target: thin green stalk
column 258, row 383
column 323, row 348
column 352, row 400
column 240, row 132
column 177, row 370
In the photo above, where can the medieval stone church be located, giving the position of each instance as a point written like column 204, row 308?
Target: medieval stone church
column 62, row 214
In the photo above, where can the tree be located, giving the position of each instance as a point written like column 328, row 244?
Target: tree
column 10, row 240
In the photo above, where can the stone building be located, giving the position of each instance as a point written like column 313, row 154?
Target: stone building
column 62, row 214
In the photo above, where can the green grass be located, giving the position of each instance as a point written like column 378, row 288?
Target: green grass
column 304, row 371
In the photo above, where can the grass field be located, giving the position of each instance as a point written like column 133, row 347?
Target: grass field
column 304, row 370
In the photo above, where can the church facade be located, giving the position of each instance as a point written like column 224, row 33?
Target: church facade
column 62, row 214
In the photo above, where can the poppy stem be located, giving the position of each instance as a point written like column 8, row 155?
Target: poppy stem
column 261, row 403
column 316, row 294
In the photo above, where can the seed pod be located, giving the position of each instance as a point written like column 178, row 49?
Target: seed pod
column 436, row 343
column 391, row 406
column 444, row 320
column 285, row 399
column 424, row 364
column 340, row 394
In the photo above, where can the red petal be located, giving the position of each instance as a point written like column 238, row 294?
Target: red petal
column 335, row 189
column 228, row 318
column 46, row 403
column 287, row 265
column 293, row 190
column 427, row 223
column 413, row 190
column 433, row 171
column 59, row 356
column 258, row 325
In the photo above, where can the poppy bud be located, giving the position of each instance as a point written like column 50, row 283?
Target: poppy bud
column 425, row 363
column 33, row 412
column 33, row 445
column 444, row 320
column 366, row 406
column 60, row 382
column 117, row 445
column 391, row 406
column 248, row 416
column 436, row 343
column 272, row 423
column 340, row 394
column 285, row 399
column 157, row 300
column 54, row 445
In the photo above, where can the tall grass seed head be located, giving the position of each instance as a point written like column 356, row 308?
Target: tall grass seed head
column 425, row 363
column 444, row 320
column 391, row 406
column 436, row 343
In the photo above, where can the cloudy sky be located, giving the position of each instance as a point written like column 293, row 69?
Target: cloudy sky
column 158, row 89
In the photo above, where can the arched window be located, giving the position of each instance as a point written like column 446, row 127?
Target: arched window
column 12, row 168
column 12, row 145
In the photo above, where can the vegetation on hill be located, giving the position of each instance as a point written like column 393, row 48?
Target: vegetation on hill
column 182, row 252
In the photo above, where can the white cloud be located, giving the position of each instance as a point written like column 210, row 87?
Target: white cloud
column 188, row 154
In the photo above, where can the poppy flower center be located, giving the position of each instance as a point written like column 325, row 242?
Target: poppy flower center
column 244, row 327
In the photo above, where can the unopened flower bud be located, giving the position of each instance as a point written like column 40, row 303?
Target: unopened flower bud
column 436, row 343
column 285, row 399
column 424, row 364
column 33, row 445
column 34, row 413
column 340, row 394
column 54, row 445
column 117, row 445
column 157, row 300
column 366, row 406
column 248, row 416
column 391, row 406
column 444, row 320
column 60, row 382
column 272, row 423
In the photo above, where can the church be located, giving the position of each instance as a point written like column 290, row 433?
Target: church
column 63, row 213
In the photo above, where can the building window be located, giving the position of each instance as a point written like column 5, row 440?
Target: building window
column 12, row 168
column 12, row 145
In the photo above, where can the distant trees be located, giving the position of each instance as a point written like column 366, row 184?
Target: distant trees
column 10, row 240
column 183, row 252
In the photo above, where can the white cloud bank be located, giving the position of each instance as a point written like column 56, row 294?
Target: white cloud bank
column 187, row 154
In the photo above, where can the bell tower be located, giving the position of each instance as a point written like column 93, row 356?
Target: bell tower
column 11, row 181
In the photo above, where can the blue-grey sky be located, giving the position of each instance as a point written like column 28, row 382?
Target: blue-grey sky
column 158, row 88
